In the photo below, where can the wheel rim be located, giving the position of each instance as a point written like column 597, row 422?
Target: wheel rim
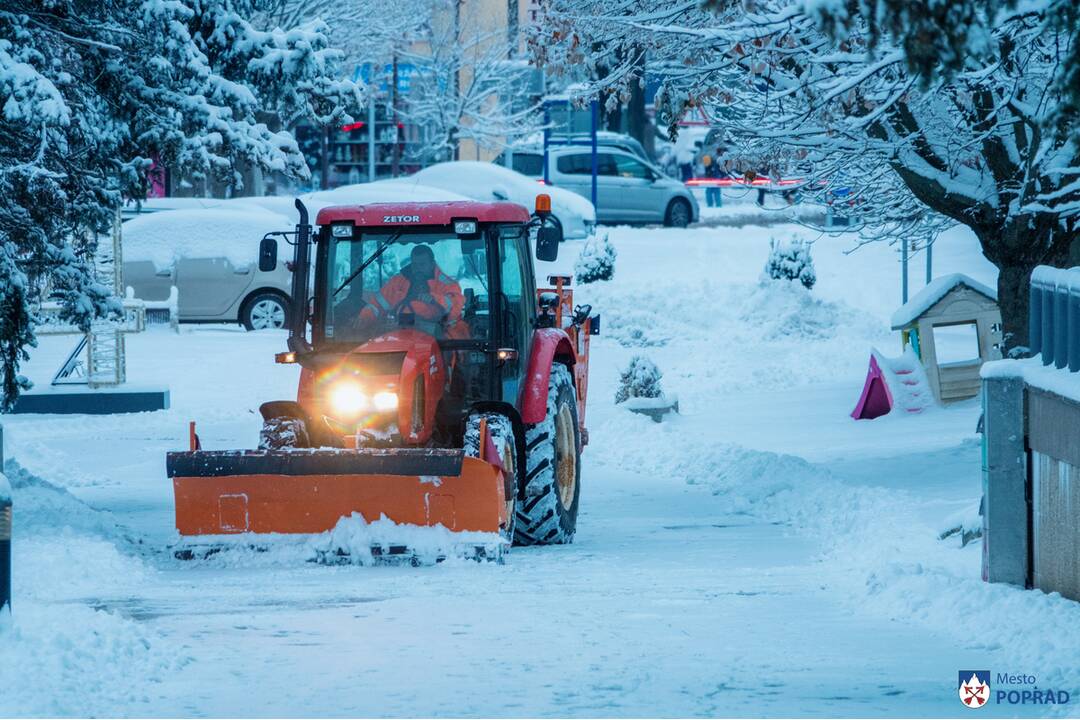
column 510, row 467
column 267, row 314
column 679, row 215
column 566, row 456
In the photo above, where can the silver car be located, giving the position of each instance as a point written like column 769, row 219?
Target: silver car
column 211, row 256
column 629, row 190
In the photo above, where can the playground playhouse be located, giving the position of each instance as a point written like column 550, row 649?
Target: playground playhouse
column 948, row 330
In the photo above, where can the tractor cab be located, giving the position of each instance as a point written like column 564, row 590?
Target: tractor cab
column 418, row 313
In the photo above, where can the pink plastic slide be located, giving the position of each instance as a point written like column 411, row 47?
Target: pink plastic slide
column 893, row 382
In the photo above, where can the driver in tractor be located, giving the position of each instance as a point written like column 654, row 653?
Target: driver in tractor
column 422, row 290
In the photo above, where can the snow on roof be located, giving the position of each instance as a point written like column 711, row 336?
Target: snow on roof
column 932, row 293
column 233, row 233
column 232, row 228
column 486, row 181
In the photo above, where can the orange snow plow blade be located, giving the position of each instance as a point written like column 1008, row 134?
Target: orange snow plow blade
column 310, row 491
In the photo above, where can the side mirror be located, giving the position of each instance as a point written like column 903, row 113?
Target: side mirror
column 548, row 237
column 267, row 254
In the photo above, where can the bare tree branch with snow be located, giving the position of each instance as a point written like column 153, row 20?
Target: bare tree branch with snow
column 970, row 138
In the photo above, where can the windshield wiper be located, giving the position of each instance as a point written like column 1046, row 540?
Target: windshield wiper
column 363, row 266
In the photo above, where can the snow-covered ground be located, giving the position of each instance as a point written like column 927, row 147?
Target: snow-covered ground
column 760, row 554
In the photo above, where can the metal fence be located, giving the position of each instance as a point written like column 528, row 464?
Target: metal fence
column 1031, row 520
column 1054, row 327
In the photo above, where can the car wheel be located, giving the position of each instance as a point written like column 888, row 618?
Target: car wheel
column 264, row 311
column 678, row 213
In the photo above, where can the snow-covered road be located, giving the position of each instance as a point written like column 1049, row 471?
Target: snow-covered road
column 761, row 554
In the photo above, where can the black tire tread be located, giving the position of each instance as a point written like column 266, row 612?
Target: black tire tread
column 541, row 518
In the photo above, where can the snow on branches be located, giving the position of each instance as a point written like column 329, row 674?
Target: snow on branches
column 91, row 93
column 841, row 102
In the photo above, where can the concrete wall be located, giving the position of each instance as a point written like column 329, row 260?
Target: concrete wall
column 1031, row 523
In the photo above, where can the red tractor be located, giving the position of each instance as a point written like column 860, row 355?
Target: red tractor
column 439, row 385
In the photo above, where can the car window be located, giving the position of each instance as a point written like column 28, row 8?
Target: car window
column 573, row 165
column 628, row 167
column 529, row 164
column 581, row 164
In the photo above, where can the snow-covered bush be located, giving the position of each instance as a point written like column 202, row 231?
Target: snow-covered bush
column 641, row 379
column 596, row 261
column 790, row 260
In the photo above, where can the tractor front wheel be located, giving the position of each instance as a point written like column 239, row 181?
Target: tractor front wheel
column 548, row 515
column 279, row 433
column 502, row 436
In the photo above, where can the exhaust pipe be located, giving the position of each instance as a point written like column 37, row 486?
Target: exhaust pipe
column 298, row 327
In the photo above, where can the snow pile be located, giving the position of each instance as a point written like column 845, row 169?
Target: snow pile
column 42, row 508
column 787, row 310
column 876, row 547
column 73, row 660
column 352, row 541
column 596, row 261
column 66, row 650
column 234, row 234
column 790, row 260
column 354, row 537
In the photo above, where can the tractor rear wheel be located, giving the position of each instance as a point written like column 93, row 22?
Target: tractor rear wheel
column 548, row 515
column 502, row 436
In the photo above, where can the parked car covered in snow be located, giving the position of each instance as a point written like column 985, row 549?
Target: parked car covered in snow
column 208, row 248
column 211, row 256
column 486, row 182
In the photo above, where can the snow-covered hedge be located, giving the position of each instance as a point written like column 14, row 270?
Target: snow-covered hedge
column 790, row 260
column 596, row 261
column 640, row 380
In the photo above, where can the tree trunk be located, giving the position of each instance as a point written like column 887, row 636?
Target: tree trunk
column 1025, row 242
column 1013, row 299
column 638, row 122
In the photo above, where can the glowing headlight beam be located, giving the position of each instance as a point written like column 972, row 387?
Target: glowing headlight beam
column 348, row 399
column 385, row 401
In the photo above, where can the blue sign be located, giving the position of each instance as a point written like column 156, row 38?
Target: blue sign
column 404, row 76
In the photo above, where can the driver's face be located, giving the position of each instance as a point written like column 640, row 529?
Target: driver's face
column 423, row 264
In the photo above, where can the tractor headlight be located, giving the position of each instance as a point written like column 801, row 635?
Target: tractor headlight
column 385, row 401
column 341, row 230
column 348, row 399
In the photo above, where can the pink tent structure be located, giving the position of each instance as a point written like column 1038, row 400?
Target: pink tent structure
column 893, row 382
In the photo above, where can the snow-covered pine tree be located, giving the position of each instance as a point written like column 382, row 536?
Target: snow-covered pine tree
column 858, row 96
column 92, row 92
column 790, row 260
column 641, row 379
column 596, row 261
